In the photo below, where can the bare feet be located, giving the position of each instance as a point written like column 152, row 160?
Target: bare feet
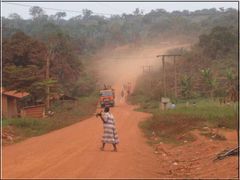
column 101, row 148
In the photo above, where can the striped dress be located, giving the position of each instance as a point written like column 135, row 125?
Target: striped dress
column 110, row 133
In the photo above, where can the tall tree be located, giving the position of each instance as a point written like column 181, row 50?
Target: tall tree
column 23, row 64
column 63, row 62
column 22, row 50
column 86, row 13
column 59, row 15
column 220, row 42
column 36, row 12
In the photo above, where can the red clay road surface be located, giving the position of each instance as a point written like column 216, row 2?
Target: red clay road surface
column 73, row 152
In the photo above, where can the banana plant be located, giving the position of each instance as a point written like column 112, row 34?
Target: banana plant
column 209, row 81
column 213, row 85
column 186, row 86
column 232, row 90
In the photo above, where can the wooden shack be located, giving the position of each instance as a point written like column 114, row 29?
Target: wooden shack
column 37, row 111
column 9, row 102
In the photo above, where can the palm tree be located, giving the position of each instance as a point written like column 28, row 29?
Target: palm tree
column 209, row 81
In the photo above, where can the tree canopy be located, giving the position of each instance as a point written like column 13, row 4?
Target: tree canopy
column 92, row 32
column 28, row 43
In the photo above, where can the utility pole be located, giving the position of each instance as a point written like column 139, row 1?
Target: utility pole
column 164, row 73
column 147, row 68
column 48, row 58
column 164, row 77
column 47, row 78
column 175, row 76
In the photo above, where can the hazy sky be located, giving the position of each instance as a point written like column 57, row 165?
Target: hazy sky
column 109, row 7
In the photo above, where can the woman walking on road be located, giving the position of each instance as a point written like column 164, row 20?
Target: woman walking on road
column 110, row 133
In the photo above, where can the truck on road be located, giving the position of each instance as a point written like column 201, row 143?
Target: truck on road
column 107, row 98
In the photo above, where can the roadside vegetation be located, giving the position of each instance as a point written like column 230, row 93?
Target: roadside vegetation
column 207, row 90
column 65, row 114
column 24, row 62
column 90, row 31
column 172, row 124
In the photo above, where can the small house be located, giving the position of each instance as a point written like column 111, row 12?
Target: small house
column 9, row 102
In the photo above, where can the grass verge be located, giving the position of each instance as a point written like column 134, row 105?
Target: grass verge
column 66, row 113
column 174, row 125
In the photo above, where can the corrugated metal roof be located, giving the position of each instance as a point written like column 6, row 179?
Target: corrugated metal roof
column 14, row 93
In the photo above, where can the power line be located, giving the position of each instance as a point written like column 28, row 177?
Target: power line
column 55, row 9
column 96, row 13
column 106, row 5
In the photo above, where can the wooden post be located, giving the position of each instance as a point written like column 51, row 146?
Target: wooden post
column 146, row 68
column 47, row 78
column 49, row 58
column 175, row 76
column 149, row 68
column 164, row 78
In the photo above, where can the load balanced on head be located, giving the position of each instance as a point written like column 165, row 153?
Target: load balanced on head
column 107, row 96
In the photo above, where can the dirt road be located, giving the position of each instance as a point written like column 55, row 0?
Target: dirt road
column 73, row 152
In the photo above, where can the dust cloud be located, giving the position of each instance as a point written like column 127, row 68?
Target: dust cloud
column 124, row 64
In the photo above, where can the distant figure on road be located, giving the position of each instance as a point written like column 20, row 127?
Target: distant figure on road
column 110, row 133
column 122, row 93
column 125, row 87
column 129, row 88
